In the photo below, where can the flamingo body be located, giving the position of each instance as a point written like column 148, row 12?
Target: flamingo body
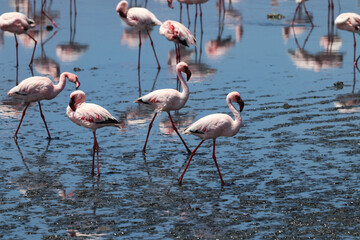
column 141, row 19
column 214, row 126
column 348, row 22
column 17, row 23
column 168, row 99
column 177, row 32
column 91, row 116
column 35, row 89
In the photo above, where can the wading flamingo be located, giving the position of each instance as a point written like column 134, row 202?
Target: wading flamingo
column 216, row 125
column 165, row 100
column 17, row 23
column 177, row 33
column 35, row 89
column 140, row 18
column 91, row 116
column 349, row 22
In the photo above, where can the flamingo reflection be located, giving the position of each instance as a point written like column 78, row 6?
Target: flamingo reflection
column 71, row 51
column 298, row 17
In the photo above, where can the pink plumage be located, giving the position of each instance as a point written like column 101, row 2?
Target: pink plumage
column 349, row 22
column 35, row 89
column 141, row 19
column 216, row 125
column 167, row 100
column 17, row 23
column 91, row 116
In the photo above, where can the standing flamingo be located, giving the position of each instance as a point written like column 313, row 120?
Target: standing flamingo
column 17, row 23
column 177, row 33
column 141, row 19
column 216, row 125
column 167, row 100
column 349, row 22
column 35, row 89
column 91, row 116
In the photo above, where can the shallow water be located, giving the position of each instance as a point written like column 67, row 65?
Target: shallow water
column 293, row 166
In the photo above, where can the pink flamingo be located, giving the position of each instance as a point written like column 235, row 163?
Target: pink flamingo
column 141, row 19
column 167, row 100
column 177, row 33
column 91, row 116
column 349, row 22
column 35, row 89
column 216, row 125
column 17, row 23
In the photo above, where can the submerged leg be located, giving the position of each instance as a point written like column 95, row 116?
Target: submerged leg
column 43, row 118
column 187, row 165
column 147, row 136
column 22, row 117
column 174, row 127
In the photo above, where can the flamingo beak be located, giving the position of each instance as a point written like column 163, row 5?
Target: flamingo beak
column 170, row 4
column 77, row 84
column 188, row 74
column 72, row 103
column 241, row 103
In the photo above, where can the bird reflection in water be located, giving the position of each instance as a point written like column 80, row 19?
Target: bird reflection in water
column 71, row 51
column 231, row 17
column 329, row 58
column 298, row 15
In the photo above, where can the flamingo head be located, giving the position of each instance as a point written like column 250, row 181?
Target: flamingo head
column 121, row 8
column 74, row 78
column 77, row 97
column 170, row 4
column 235, row 97
column 183, row 67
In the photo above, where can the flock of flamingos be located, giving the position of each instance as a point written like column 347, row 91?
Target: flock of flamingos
column 93, row 116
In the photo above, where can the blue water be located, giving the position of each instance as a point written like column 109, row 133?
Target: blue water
column 293, row 165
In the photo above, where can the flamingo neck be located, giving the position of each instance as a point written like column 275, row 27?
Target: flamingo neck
column 61, row 85
column 185, row 87
column 236, row 124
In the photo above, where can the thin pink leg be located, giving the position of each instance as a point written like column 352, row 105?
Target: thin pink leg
column 308, row 14
column 139, row 49
column 147, row 136
column 32, row 57
column 195, row 20
column 214, row 157
column 43, row 118
column 187, row 165
column 187, row 9
column 297, row 8
column 22, row 117
column 152, row 44
column 17, row 52
column 174, row 127
column 43, row 12
column 96, row 148
column 201, row 24
column 180, row 12
column 93, row 159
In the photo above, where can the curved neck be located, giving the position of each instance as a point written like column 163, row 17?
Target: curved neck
column 61, row 85
column 185, row 92
column 238, row 120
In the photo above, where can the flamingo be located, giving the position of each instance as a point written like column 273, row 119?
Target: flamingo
column 35, row 89
column 177, row 33
column 17, row 23
column 301, row 2
column 167, row 100
column 214, row 126
column 91, row 116
column 140, row 18
column 349, row 22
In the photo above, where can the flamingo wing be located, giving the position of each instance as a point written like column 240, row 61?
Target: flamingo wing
column 33, row 86
column 160, row 99
column 93, row 113
column 141, row 17
column 212, row 125
column 175, row 31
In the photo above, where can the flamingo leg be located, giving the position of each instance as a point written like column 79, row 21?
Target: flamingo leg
column 180, row 12
column 139, row 49
column 35, row 42
column 297, row 8
column 174, row 127
column 17, row 52
column 147, row 136
column 187, row 9
column 201, row 23
column 214, row 157
column 96, row 148
column 152, row 44
column 187, row 165
column 195, row 20
column 43, row 12
column 22, row 117
column 308, row 14
column 43, row 118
